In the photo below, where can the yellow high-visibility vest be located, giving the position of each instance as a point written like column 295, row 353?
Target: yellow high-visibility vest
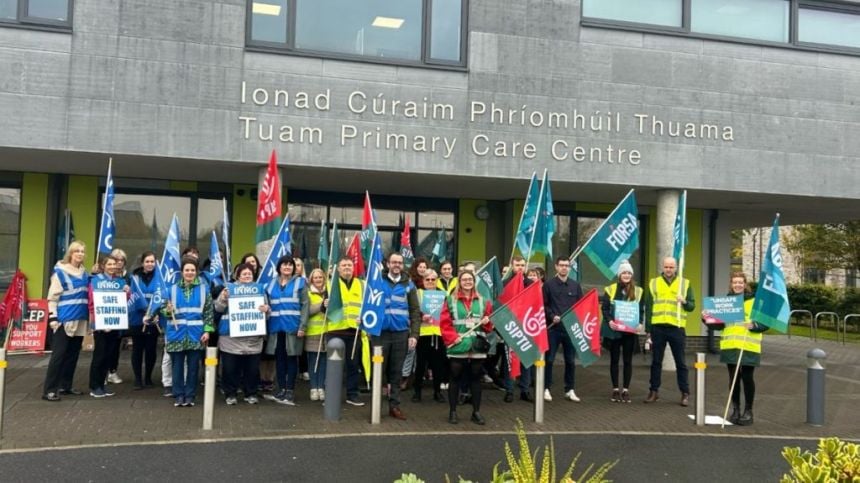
column 427, row 328
column 665, row 308
column 351, row 305
column 737, row 336
column 452, row 285
column 316, row 322
column 610, row 291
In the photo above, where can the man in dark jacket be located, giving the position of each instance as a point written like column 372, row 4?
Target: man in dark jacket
column 559, row 295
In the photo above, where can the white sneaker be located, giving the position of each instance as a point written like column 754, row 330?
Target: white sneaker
column 315, row 395
column 571, row 396
column 114, row 378
column 443, row 386
column 306, row 376
column 547, row 396
column 487, row 379
column 321, row 393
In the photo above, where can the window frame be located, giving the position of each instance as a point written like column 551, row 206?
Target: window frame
column 193, row 196
column 14, row 182
column 24, row 20
column 685, row 31
column 426, row 61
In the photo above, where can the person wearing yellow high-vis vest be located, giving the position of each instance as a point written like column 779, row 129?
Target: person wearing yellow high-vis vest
column 314, row 348
column 430, row 351
column 447, row 281
column 615, row 337
column 351, row 291
column 737, row 337
column 662, row 322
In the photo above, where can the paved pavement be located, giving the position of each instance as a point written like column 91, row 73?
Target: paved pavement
column 144, row 416
column 383, row 459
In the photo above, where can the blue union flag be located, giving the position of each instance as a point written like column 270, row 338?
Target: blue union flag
column 616, row 239
column 373, row 300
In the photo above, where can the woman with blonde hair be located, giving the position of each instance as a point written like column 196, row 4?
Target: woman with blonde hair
column 68, row 319
column 314, row 348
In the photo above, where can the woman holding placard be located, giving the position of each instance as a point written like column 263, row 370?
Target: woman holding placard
column 464, row 323
column 288, row 295
column 741, row 343
column 430, row 350
column 240, row 335
column 67, row 308
column 189, row 321
column 314, row 348
column 108, row 295
column 623, row 316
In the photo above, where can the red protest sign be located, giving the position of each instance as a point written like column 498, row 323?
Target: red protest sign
column 30, row 335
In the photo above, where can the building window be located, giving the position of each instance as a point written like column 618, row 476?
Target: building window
column 668, row 13
column 51, row 13
column 426, row 225
column 10, row 216
column 816, row 25
column 412, row 32
column 829, row 27
column 750, row 19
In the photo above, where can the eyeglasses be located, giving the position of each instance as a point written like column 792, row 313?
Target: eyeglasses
column 429, row 279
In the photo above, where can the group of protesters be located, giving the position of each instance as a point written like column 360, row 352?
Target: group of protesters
column 457, row 349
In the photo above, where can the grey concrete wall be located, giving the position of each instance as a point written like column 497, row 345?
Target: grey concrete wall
column 162, row 78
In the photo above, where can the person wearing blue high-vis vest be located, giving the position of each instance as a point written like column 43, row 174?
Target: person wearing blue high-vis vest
column 188, row 317
column 144, row 334
column 400, row 327
column 105, row 342
column 67, row 308
column 288, row 321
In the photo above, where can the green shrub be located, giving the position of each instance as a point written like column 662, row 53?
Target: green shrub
column 850, row 302
column 814, row 298
column 835, row 461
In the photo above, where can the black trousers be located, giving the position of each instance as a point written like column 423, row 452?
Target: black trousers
column 661, row 335
column 624, row 345
column 463, row 371
column 430, row 352
column 394, row 346
column 745, row 377
column 104, row 345
column 144, row 352
column 239, row 369
column 65, row 351
column 113, row 360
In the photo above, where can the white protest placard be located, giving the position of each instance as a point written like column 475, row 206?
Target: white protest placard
column 243, row 309
column 110, row 305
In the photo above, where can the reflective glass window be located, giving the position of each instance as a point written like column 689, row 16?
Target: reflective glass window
column 49, row 9
column 209, row 218
column 829, row 27
column 9, row 9
column 750, row 19
column 10, row 215
column 142, row 222
column 373, row 28
column 656, row 12
column 445, row 30
column 269, row 21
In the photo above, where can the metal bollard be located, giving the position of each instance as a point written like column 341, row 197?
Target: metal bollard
column 815, row 387
column 376, row 398
column 700, row 366
column 3, row 365
column 211, row 363
column 335, row 353
column 540, row 382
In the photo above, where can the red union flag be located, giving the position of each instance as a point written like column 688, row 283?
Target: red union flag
column 269, row 202
column 529, row 307
column 354, row 252
column 587, row 311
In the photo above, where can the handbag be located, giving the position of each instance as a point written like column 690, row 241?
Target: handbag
column 480, row 344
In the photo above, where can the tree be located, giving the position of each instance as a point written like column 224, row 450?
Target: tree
column 827, row 247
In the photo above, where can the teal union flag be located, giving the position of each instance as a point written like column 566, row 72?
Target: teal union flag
column 616, row 239
column 771, row 306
